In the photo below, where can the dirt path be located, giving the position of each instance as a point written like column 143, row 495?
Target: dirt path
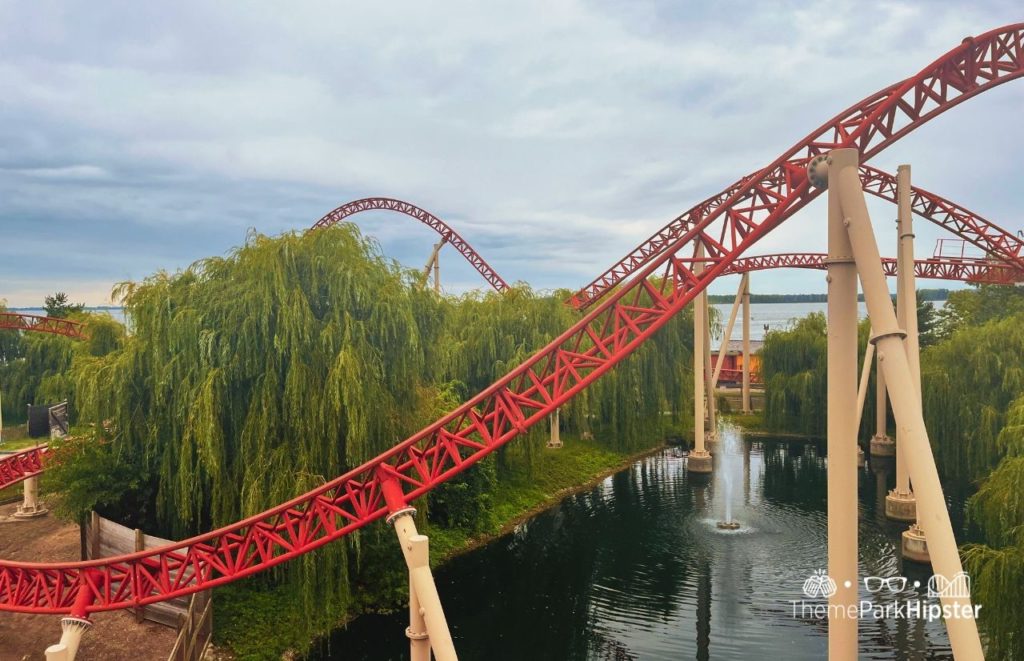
column 115, row 636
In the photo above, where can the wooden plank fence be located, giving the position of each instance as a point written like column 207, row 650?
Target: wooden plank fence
column 196, row 629
column 191, row 615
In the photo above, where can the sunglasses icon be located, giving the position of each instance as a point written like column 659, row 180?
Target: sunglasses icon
column 895, row 584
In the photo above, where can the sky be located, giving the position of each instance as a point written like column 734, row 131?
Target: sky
column 554, row 135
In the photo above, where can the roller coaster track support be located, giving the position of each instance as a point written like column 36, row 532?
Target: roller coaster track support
column 848, row 214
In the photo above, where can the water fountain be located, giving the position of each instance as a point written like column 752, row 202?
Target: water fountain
column 728, row 437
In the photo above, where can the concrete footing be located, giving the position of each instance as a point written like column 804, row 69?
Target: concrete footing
column 30, row 507
column 901, row 506
column 883, row 446
column 915, row 546
column 699, row 461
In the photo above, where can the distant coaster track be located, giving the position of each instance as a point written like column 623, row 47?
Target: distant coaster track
column 38, row 324
column 430, row 220
column 624, row 319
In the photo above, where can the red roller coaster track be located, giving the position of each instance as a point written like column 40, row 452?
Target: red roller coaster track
column 31, row 322
column 21, row 465
column 425, row 217
column 15, row 468
column 988, row 236
column 935, row 268
column 626, row 318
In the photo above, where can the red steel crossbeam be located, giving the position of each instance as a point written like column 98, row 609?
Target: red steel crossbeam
column 623, row 321
column 21, row 465
column 425, row 217
column 965, row 270
column 54, row 325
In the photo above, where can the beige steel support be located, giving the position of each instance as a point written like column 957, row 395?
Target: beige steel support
column 711, row 413
column 931, row 506
column 727, row 336
column 555, row 440
column 30, row 507
column 842, row 433
column 900, row 504
column 746, row 344
column 435, row 263
column 862, row 396
column 881, row 443
column 699, row 460
column 419, row 639
column 862, row 385
column 72, row 630
column 426, row 613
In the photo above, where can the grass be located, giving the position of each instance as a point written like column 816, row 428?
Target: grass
column 16, row 438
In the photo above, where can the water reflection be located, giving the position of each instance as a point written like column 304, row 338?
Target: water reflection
column 635, row 569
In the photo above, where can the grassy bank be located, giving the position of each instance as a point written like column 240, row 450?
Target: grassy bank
column 257, row 622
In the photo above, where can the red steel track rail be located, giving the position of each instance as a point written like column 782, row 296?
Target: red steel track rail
column 425, row 217
column 53, row 325
column 985, row 234
column 935, row 268
column 624, row 320
column 21, row 465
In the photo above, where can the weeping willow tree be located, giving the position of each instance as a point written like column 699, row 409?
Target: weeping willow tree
column 35, row 367
column 257, row 376
column 968, row 382
column 997, row 566
column 794, row 365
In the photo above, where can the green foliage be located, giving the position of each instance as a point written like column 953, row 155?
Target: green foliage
column 93, row 478
column 971, row 307
column 927, row 323
column 968, row 382
column 793, row 366
column 251, row 378
column 58, row 306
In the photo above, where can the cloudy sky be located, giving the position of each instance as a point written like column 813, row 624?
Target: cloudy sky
column 554, row 135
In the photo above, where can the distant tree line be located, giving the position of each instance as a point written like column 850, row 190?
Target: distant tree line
column 922, row 295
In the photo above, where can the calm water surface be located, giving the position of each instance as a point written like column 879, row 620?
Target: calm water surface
column 635, row 569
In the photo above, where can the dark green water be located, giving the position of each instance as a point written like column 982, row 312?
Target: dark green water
column 635, row 569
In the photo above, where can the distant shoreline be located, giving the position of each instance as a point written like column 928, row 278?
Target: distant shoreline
column 922, row 295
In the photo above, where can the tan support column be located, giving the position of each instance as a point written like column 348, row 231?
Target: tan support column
column 862, row 396
column 30, row 507
column 931, row 506
column 72, row 630
column 426, row 613
column 746, row 344
column 437, row 274
column 699, row 460
column 881, row 444
column 421, row 582
column 723, row 348
column 434, row 263
column 555, row 440
column 842, row 434
column 712, row 413
column 419, row 639
column 900, row 504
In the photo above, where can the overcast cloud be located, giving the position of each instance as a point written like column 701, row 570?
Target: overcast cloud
column 554, row 135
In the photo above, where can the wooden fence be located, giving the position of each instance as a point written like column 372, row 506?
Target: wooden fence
column 192, row 615
column 195, row 631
